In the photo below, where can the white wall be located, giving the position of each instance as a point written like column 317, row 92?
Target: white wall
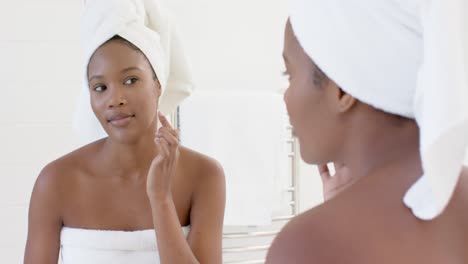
column 39, row 72
column 232, row 45
column 310, row 187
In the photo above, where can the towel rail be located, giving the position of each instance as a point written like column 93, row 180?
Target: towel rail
column 277, row 220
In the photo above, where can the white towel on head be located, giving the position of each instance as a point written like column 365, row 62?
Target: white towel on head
column 408, row 58
column 146, row 25
column 246, row 132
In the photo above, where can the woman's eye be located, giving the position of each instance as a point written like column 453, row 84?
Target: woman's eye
column 99, row 88
column 130, row 81
column 286, row 74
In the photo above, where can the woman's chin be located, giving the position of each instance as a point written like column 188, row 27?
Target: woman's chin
column 310, row 157
column 124, row 136
column 306, row 157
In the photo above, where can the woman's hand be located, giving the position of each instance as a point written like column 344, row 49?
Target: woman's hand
column 163, row 166
column 334, row 184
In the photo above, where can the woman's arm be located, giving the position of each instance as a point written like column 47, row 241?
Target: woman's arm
column 207, row 215
column 204, row 241
column 45, row 222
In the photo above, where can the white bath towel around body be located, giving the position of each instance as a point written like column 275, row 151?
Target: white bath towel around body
column 80, row 246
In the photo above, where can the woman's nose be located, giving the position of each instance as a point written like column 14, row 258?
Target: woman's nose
column 117, row 98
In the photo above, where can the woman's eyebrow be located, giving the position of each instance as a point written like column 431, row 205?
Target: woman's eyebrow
column 131, row 69
column 124, row 70
column 95, row 77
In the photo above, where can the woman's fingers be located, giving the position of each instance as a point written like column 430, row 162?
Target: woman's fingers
column 164, row 121
column 338, row 166
column 163, row 147
column 166, row 138
column 165, row 124
column 157, row 143
column 324, row 172
column 168, row 135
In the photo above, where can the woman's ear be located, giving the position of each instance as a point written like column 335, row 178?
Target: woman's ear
column 342, row 101
column 346, row 101
column 158, row 88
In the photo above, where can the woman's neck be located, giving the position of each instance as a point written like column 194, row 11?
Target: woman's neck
column 129, row 159
column 378, row 140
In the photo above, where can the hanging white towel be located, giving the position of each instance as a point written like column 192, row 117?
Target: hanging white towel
column 245, row 131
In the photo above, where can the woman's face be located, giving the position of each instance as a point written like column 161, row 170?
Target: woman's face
column 311, row 100
column 124, row 93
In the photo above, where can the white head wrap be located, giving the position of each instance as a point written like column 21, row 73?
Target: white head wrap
column 147, row 26
column 405, row 57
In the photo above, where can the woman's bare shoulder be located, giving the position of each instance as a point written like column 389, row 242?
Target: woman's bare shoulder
column 308, row 238
column 62, row 170
column 202, row 165
column 358, row 216
column 203, row 174
column 325, row 234
column 334, row 232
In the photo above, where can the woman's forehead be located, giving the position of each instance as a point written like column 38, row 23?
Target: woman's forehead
column 292, row 50
column 116, row 55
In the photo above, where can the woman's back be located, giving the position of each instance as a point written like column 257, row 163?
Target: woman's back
column 368, row 223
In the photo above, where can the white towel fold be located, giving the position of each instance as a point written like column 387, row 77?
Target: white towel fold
column 245, row 132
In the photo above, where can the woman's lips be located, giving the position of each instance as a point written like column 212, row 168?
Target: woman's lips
column 120, row 120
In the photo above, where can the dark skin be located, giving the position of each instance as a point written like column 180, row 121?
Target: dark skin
column 135, row 179
column 366, row 221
